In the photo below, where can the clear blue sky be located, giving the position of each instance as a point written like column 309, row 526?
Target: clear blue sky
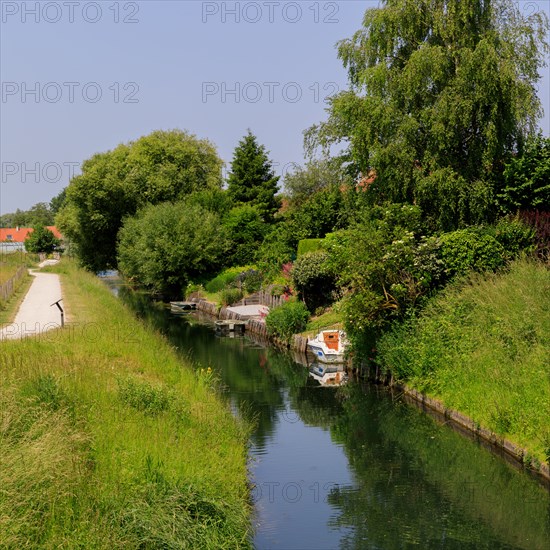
column 162, row 65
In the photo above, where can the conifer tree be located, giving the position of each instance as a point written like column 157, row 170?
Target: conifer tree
column 252, row 180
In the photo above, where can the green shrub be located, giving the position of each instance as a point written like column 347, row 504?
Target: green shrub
column 229, row 296
column 471, row 249
column 277, row 290
column 527, row 178
column 313, row 279
column 250, row 280
column 287, row 319
column 221, row 281
column 193, row 288
column 514, row 235
column 229, row 277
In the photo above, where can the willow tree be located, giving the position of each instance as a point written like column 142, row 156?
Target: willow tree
column 441, row 94
column 164, row 166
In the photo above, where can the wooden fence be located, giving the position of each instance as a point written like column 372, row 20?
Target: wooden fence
column 10, row 286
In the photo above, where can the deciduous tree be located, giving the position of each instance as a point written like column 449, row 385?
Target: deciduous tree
column 163, row 166
column 441, row 94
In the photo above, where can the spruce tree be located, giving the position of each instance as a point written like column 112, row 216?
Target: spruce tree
column 252, row 180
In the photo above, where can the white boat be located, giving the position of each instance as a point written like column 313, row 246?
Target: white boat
column 329, row 346
column 328, row 375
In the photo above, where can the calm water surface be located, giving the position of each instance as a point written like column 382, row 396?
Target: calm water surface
column 354, row 467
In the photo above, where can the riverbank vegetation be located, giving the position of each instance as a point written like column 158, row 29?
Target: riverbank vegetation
column 428, row 170
column 482, row 347
column 108, row 440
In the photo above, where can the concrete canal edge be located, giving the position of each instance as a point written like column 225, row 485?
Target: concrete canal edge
column 511, row 452
column 256, row 326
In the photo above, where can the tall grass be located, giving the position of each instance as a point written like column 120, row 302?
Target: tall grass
column 483, row 348
column 108, row 441
column 10, row 262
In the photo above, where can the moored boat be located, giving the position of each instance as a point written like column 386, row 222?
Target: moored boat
column 329, row 346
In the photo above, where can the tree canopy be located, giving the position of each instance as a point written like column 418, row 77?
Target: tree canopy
column 527, row 178
column 252, row 180
column 163, row 166
column 39, row 214
column 41, row 240
column 442, row 94
column 166, row 245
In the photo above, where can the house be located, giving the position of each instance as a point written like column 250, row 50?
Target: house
column 19, row 234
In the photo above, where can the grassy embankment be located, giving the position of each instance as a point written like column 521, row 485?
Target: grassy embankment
column 9, row 264
column 483, row 348
column 108, row 441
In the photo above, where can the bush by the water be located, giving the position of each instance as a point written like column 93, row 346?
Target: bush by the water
column 287, row 319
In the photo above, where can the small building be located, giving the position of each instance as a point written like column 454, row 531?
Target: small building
column 19, row 234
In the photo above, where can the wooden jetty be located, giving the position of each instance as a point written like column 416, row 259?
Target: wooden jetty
column 228, row 327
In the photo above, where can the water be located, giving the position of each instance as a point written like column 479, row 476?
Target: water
column 354, row 467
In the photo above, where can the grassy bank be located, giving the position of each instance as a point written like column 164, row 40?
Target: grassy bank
column 108, row 441
column 482, row 347
column 9, row 265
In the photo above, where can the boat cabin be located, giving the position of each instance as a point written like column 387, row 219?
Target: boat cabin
column 332, row 339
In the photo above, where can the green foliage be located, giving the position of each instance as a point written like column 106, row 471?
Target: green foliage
column 482, row 347
column 276, row 249
column 39, row 214
column 314, row 280
column 527, row 178
column 468, row 250
column 214, row 200
column 441, row 96
column 229, row 296
column 252, row 180
column 384, row 267
column 58, row 202
column 224, row 279
column 318, row 174
column 449, row 201
column 309, row 245
column 250, row 280
column 167, row 245
column 246, row 229
column 322, row 213
column 514, row 235
column 41, row 239
column 163, row 166
column 286, row 320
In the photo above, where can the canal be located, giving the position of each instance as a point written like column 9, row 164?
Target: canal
column 355, row 466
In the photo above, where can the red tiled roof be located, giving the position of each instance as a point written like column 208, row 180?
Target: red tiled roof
column 19, row 234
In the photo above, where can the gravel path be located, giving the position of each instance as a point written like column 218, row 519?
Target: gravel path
column 36, row 315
